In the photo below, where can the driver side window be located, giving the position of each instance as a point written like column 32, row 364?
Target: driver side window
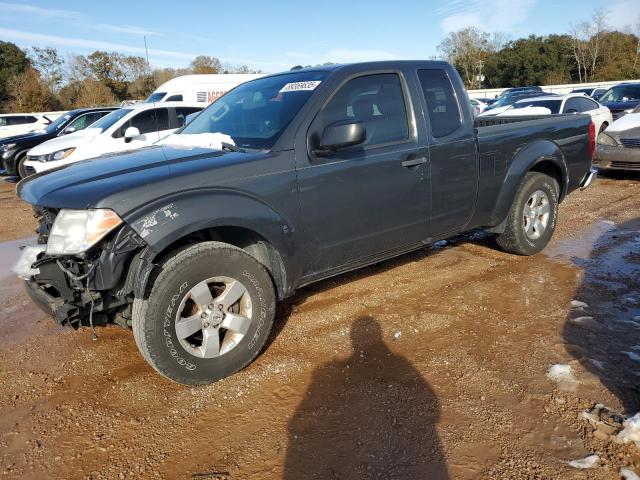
column 377, row 101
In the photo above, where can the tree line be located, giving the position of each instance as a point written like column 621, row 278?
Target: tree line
column 590, row 52
column 41, row 79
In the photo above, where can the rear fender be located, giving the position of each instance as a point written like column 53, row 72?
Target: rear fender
column 529, row 158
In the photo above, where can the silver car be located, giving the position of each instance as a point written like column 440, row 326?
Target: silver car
column 618, row 147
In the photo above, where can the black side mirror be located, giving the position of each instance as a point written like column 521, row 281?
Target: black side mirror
column 341, row 135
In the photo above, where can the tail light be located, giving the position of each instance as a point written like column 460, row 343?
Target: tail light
column 592, row 140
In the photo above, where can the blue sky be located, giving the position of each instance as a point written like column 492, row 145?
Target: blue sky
column 276, row 35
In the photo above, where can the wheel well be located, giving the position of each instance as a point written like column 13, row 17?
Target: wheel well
column 553, row 170
column 248, row 240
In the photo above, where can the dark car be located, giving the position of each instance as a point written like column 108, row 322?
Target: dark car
column 510, row 91
column 621, row 99
column 14, row 149
column 593, row 92
column 326, row 170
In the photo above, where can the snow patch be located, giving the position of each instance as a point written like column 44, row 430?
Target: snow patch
column 579, row 304
column 202, row 140
column 631, row 430
column 586, row 462
column 628, row 474
column 563, row 376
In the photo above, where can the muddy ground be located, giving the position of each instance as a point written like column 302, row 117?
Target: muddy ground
column 429, row 366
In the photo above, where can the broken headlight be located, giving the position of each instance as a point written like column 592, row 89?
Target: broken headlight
column 75, row 231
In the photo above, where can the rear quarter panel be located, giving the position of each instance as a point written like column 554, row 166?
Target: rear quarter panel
column 508, row 151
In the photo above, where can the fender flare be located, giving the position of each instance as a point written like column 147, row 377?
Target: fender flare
column 524, row 161
column 169, row 219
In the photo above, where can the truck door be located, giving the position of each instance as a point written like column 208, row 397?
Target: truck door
column 452, row 153
column 361, row 201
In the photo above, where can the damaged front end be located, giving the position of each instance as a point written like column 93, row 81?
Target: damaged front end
column 77, row 272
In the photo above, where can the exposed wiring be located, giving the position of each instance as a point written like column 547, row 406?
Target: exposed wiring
column 79, row 278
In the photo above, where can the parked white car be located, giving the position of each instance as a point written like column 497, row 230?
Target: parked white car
column 571, row 103
column 19, row 123
column 203, row 89
column 477, row 106
column 127, row 128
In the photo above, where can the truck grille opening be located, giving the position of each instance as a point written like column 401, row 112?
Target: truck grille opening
column 630, row 142
column 628, row 166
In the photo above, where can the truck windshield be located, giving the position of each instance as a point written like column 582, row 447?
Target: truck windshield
column 155, row 97
column 256, row 113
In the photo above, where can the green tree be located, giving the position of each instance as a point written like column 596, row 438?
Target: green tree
column 531, row 61
column 13, row 62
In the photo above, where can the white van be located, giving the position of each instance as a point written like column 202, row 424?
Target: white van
column 127, row 128
column 199, row 88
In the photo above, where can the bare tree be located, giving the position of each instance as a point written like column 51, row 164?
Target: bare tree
column 587, row 44
column 467, row 49
column 49, row 64
column 29, row 93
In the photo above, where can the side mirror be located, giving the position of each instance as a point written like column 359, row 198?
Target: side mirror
column 130, row 133
column 69, row 130
column 341, row 135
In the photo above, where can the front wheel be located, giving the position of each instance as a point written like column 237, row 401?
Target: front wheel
column 208, row 314
column 532, row 217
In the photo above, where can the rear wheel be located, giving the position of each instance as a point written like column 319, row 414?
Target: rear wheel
column 208, row 314
column 532, row 217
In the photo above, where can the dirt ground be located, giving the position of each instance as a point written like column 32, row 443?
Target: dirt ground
column 429, row 366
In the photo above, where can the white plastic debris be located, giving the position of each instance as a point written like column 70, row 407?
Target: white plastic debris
column 586, row 462
column 631, row 430
column 397, row 335
column 579, row 304
column 628, row 474
column 202, row 140
column 440, row 243
column 563, row 376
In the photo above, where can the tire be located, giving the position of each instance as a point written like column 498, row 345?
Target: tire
column 522, row 235
column 20, row 165
column 172, row 300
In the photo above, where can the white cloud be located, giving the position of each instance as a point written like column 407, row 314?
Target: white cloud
column 41, row 12
column 83, row 44
column 623, row 15
column 488, row 15
column 76, row 18
column 128, row 29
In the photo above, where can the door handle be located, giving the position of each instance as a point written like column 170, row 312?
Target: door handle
column 413, row 162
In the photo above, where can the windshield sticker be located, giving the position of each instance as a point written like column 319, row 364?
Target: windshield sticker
column 300, row 86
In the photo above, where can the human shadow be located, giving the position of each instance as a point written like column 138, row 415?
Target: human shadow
column 370, row 416
column 605, row 335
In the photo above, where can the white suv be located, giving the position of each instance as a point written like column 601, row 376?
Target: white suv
column 127, row 128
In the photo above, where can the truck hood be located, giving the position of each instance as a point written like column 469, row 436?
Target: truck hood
column 114, row 181
column 74, row 139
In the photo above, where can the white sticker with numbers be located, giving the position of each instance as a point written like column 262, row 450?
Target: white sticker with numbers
column 300, row 86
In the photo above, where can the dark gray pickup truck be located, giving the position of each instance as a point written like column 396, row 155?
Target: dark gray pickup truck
column 330, row 169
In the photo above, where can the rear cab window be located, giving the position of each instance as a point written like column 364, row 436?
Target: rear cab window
column 442, row 104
